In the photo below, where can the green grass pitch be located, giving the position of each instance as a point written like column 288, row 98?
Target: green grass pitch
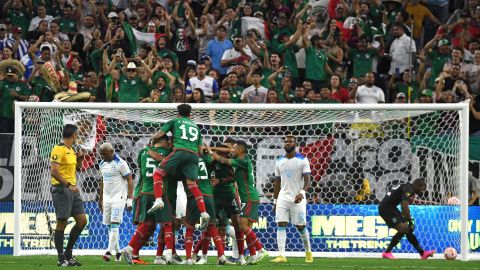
column 96, row 262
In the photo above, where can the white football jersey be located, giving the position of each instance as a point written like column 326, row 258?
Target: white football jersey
column 291, row 171
column 115, row 187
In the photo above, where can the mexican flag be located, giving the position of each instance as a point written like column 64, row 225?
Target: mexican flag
column 136, row 38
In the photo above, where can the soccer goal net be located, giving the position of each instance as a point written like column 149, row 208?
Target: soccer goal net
column 356, row 153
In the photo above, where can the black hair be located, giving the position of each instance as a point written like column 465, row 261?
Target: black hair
column 290, row 136
column 69, row 130
column 163, row 138
column 184, row 109
column 420, row 182
column 243, row 145
column 229, row 140
column 222, row 27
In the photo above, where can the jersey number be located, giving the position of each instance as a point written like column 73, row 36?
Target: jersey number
column 191, row 134
column 150, row 164
column 203, row 175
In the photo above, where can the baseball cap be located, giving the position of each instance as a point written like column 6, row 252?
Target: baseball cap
column 3, row 27
column 259, row 13
column 10, row 71
column 206, row 57
column 401, row 95
column 427, row 92
column 17, row 29
column 443, row 42
column 131, row 65
column 112, row 15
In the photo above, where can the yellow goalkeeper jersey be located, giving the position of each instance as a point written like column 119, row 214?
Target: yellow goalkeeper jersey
column 65, row 156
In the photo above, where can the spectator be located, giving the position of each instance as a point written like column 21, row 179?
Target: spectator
column 235, row 91
column 419, row 12
column 402, row 51
column 255, row 93
column 362, row 57
column 224, row 96
column 326, row 96
column 299, row 96
column 17, row 14
column 41, row 16
column 179, row 96
column 369, row 93
column 438, row 56
column 197, row 96
column 472, row 72
column 402, row 83
column 337, row 91
column 400, row 98
column 453, row 81
column 426, row 96
column 238, row 55
column 317, row 61
column 217, row 47
column 11, row 89
column 272, row 96
column 208, row 84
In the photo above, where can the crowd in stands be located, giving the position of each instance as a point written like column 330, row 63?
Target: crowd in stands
column 231, row 51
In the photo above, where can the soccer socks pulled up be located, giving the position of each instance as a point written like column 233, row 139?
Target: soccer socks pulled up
column 251, row 241
column 281, row 239
column 240, row 239
column 305, row 239
column 74, row 234
column 158, row 175
column 140, row 237
column 414, row 241
column 168, row 234
column 113, row 238
column 231, row 233
column 161, row 242
column 198, row 246
column 205, row 242
column 395, row 240
column 58, row 239
column 189, row 242
column 193, row 187
column 212, row 230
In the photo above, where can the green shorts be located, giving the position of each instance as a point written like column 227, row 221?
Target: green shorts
column 181, row 162
column 136, row 209
column 250, row 211
column 163, row 215
column 192, row 216
column 226, row 204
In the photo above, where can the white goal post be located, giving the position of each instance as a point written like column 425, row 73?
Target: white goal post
column 392, row 142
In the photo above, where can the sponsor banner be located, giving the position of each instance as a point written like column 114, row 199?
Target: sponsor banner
column 333, row 228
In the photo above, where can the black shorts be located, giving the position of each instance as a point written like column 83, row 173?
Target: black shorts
column 66, row 202
column 391, row 215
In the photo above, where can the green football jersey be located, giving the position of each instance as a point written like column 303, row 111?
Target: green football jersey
column 147, row 166
column 245, row 179
column 203, row 176
column 223, row 173
column 186, row 134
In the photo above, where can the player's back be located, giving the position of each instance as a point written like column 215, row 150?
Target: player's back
column 291, row 171
column 186, row 134
column 147, row 167
column 203, row 176
column 113, row 173
column 397, row 194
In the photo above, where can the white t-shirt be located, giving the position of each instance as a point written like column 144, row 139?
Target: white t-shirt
column 232, row 54
column 399, row 50
column 366, row 95
column 209, row 86
column 115, row 187
column 291, row 171
column 36, row 21
column 252, row 96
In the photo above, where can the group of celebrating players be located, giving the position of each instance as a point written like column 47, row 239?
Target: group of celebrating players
column 219, row 186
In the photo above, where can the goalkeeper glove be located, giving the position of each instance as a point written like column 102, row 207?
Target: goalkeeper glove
column 411, row 224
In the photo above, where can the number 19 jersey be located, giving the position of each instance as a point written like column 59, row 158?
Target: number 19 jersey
column 186, row 134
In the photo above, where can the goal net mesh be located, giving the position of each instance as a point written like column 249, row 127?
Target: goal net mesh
column 355, row 156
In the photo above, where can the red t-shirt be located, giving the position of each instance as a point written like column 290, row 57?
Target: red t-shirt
column 341, row 95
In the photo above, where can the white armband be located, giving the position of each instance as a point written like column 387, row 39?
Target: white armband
column 129, row 202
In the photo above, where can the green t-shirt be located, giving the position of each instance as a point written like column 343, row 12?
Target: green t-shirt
column 438, row 61
column 167, row 52
column 362, row 61
column 315, row 64
column 289, row 58
column 147, row 166
column 235, row 94
column 76, row 76
column 245, row 179
column 165, row 96
column 68, row 26
column 96, row 60
column 20, row 18
column 129, row 90
column 39, row 88
column 6, row 88
column 225, row 175
column 203, row 177
column 186, row 134
column 403, row 88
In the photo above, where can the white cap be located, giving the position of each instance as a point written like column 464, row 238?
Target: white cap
column 3, row 26
column 131, row 65
column 112, row 15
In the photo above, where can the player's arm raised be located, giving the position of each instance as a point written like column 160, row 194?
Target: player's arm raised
column 220, row 159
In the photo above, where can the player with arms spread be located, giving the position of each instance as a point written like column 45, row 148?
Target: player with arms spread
column 249, row 198
column 183, row 160
column 402, row 222
column 292, row 173
column 116, row 190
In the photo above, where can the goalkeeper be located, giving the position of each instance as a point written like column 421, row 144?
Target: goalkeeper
column 402, row 222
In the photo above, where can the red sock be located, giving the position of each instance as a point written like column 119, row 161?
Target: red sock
column 169, row 239
column 240, row 241
column 189, row 242
column 198, row 246
column 145, row 231
column 193, row 187
column 160, row 242
column 258, row 245
column 212, row 230
column 251, row 239
column 205, row 243
column 158, row 175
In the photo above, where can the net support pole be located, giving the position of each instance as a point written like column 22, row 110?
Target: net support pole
column 17, row 187
column 464, row 144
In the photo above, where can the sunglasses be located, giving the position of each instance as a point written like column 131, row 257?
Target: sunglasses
column 131, row 70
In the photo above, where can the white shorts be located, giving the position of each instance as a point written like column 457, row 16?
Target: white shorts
column 113, row 212
column 291, row 212
column 181, row 204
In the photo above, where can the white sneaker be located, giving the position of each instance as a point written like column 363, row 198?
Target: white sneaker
column 261, row 254
column 168, row 256
column 202, row 261
column 159, row 260
column 158, row 204
column 204, row 218
column 222, row 260
column 189, row 262
column 242, row 261
column 252, row 259
column 127, row 254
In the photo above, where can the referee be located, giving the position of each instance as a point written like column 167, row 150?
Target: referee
column 65, row 194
